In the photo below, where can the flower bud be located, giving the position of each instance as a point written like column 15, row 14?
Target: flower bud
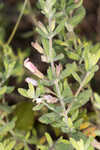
column 31, row 67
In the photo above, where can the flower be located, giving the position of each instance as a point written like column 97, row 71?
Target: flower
column 50, row 99
column 58, row 69
column 30, row 80
column 31, row 67
column 38, row 100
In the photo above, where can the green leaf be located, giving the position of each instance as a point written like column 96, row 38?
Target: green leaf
column 49, row 118
column 81, row 100
column 23, row 92
column 50, row 74
column 72, row 55
column 42, row 147
column 59, row 57
column 25, row 116
column 10, row 89
column 59, row 27
column 45, row 44
column 77, row 17
column 31, row 92
column 3, row 90
column 6, row 128
column 67, row 92
column 41, row 33
column 49, row 139
column 72, row 6
column 63, row 146
column 10, row 146
column 1, row 146
column 38, row 107
column 75, row 115
column 6, row 108
column 91, row 74
column 70, row 68
column 76, row 77
column 40, row 90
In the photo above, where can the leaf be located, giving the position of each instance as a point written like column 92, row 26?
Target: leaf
column 42, row 27
column 3, row 90
column 70, row 68
column 25, row 116
column 40, row 90
column 72, row 6
column 49, row 139
column 59, row 27
column 45, row 44
column 1, row 146
column 5, row 108
column 72, row 55
column 50, row 74
column 76, row 77
column 63, row 146
column 38, row 107
column 91, row 74
column 10, row 146
column 59, row 57
column 10, row 89
column 77, row 17
column 70, row 124
column 6, row 128
column 41, row 33
column 23, row 92
column 31, row 92
column 42, row 147
column 81, row 100
column 49, row 118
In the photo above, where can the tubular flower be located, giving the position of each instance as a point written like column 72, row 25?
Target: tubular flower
column 31, row 67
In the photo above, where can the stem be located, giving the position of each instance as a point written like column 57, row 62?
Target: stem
column 78, row 91
column 17, row 24
column 54, row 74
column 82, row 84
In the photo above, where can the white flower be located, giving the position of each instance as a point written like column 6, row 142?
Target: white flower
column 38, row 100
column 50, row 99
column 30, row 80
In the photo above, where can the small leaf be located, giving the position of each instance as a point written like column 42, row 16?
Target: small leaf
column 77, row 17
column 59, row 57
column 25, row 116
column 52, row 25
column 76, row 76
column 6, row 128
column 49, row 139
column 10, row 146
column 81, row 100
column 72, row 55
column 23, row 92
column 59, row 27
column 49, row 118
column 3, row 90
column 42, row 27
column 31, row 92
column 38, row 107
column 70, row 68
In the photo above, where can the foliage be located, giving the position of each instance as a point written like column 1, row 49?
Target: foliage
column 59, row 97
column 68, row 58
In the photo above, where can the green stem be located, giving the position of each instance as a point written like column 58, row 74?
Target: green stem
column 17, row 24
column 78, row 91
column 54, row 74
